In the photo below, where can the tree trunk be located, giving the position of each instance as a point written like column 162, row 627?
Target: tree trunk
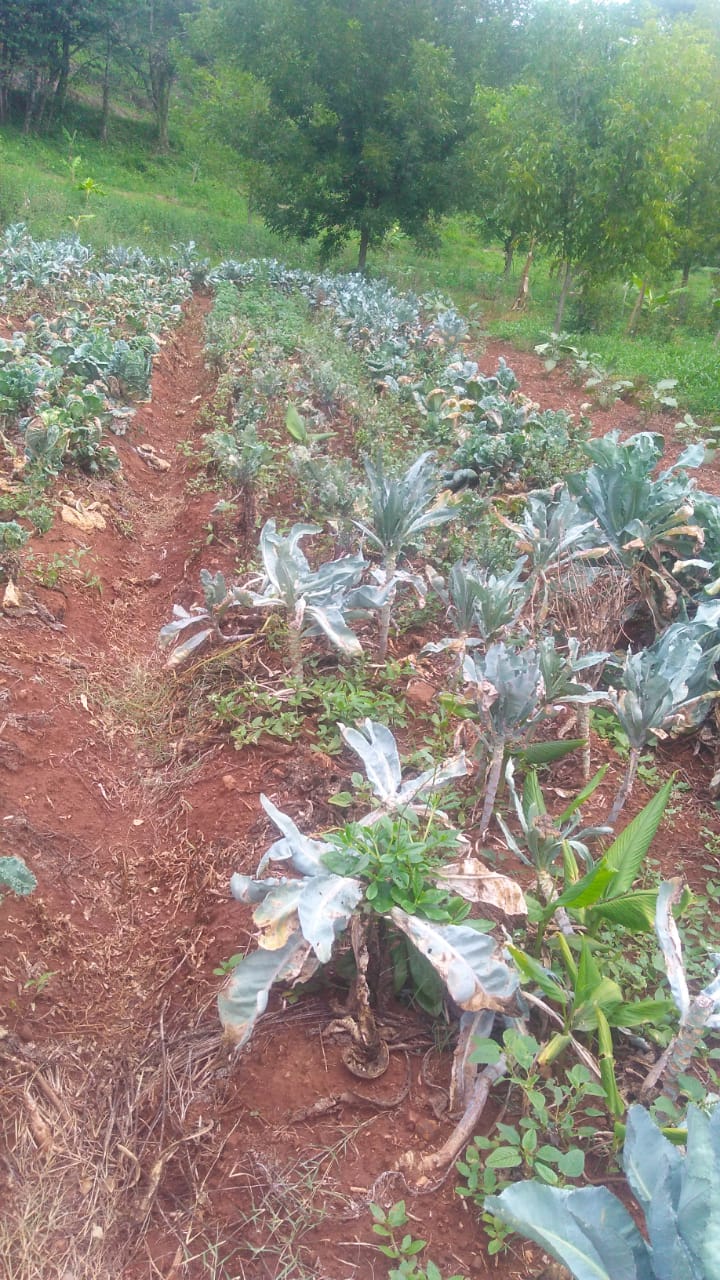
column 5, row 68
column 564, row 291
column 364, row 243
column 161, row 78
column 105, row 119
column 31, row 102
column 509, row 254
column 523, row 294
column 61, row 87
column 630, row 326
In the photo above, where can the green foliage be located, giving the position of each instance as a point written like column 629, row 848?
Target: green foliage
column 400, row 864
column 402, row 1249
column 675, row 1191
column 311, row 97
column 300, row 917
column 16, row 877
column 544, row 1120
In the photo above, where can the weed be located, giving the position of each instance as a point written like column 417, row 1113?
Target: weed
column 541, row 1142
column 402, row 1248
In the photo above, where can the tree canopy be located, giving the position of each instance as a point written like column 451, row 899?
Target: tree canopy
column 362, row 111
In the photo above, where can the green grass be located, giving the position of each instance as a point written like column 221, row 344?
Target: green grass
column 197, row 194
column 152, row 201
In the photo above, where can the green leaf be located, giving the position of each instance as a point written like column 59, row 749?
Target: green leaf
column 586, row 1229
column 634, row 910
column 572, row 1163
column 586, row 891
column 626, row 854
column 582, row 796
column 485, row 1052
column 397, row 1215
column 539, row 753
column 295, row 424
column 532, row 971
column 616, row 1106
column 504, row 1158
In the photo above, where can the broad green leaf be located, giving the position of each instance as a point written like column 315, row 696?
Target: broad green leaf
column 583, row 795
column 504, row 1158
column 532, row 971
column 539, row 753
column 586, row 891
column 634, row 910
column 640, row 1012
column 295, row 424
column 586, row 1229
column 626, row 854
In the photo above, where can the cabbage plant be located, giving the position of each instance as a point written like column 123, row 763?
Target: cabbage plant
column 479, row 602
column 301, row 917
column 591, row 1232
column 664, row 686
column 699, row 1012
column 401, row 509
column 315, row 602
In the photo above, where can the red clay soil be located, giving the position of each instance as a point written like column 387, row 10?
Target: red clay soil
column 142, row 1146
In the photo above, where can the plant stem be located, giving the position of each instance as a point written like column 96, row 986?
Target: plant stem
column 294, row 643
column 492, row 784
column 677, row 1058
column 583, row 724
column 626, row 787
column 420, row 1167
column 386, row 611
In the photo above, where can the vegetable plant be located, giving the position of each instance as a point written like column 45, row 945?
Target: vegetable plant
column 592, row 1233
column 479, row 602
column 505, row 686
column 315, row 601
column 301, row 917
column 401, row 509
column 659, row 687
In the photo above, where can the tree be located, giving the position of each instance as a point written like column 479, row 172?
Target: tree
column 358, row 113
column 656, row 124
column 37, row 41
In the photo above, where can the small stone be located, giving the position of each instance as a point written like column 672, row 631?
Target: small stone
column 229, row 782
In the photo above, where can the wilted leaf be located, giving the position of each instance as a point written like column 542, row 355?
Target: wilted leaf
column 468, row 962
column 244, row 995
column 475, row 882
